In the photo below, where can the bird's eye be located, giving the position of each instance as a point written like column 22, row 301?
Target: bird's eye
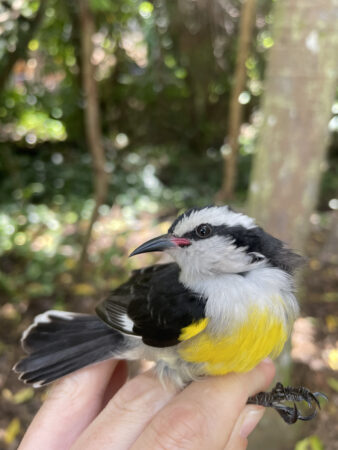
column 204, row 230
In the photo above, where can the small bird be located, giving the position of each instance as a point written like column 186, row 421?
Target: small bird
column 224, row 304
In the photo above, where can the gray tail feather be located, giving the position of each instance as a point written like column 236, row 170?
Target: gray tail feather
column 59, row 343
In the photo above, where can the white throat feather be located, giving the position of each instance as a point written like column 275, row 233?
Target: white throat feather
column 230, row 297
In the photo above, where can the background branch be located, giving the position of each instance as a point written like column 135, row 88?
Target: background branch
column 92, row 121
column 246, row 26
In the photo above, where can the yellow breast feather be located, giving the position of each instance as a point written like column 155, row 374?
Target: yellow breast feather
column 261, row 335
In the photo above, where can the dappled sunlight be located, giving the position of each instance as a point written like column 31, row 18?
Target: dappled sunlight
column 305, row 346
column 46, row 240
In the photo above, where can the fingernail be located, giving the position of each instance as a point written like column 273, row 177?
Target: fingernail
column 251, row 420
column 267, row 361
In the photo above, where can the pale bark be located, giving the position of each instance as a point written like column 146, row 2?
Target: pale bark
column 247, row 20
column 328, row 253
column 299, row 91
column 92, row 118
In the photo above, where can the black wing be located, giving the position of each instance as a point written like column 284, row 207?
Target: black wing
column 153, row 304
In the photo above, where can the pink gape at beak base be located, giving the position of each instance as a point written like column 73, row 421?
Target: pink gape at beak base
column 161, row 243
column 181, row 242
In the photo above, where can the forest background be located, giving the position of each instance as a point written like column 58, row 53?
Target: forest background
column 117, row 115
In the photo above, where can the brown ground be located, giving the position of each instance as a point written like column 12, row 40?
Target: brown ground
column 315, row 337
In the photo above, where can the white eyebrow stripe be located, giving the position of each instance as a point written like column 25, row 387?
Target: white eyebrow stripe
column 217, row 215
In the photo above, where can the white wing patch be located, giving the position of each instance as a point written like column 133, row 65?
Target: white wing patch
column 126, row 322
column 45, row 318
column 118, row 318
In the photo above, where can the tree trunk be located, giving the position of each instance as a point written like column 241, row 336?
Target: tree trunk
column 290, row 150
column 246, row 26
column 328, row 253
column 299, row 91
column 92, row 119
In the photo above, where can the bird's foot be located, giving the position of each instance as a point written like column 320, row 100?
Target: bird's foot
column 279, row 393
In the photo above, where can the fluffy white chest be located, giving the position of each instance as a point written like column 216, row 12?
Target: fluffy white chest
column 231, row 297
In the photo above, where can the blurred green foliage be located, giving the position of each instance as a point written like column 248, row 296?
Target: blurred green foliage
column 164, row 71
column 40, row 247
column 164, row 75
column 310, row 443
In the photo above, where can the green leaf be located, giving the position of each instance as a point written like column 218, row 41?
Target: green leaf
column 310, row 443
column 12, row 430
column 100, row 5
column 23, row 395
column 145, row 9
column 333, row 383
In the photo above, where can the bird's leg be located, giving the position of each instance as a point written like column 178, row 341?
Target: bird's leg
column 280, row 394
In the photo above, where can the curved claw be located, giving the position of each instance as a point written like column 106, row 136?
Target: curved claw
column 291, row 415
column 288, row 414
column 306, row 418
column 320, row 395
column 312, row 398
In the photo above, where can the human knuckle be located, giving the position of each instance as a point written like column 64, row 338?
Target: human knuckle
column 240, row 388
column 179, row 427
column 69, row 388
column 132, row 397
column 122, row 403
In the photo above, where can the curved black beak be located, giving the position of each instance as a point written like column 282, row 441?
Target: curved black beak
column 157, row 244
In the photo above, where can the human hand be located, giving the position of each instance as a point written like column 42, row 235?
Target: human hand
column 93, row 409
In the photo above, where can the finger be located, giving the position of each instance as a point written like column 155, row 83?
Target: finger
column 70, row 406
column 118, row 379
column 126, row 415
column 246, row 423
column 204, row 414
